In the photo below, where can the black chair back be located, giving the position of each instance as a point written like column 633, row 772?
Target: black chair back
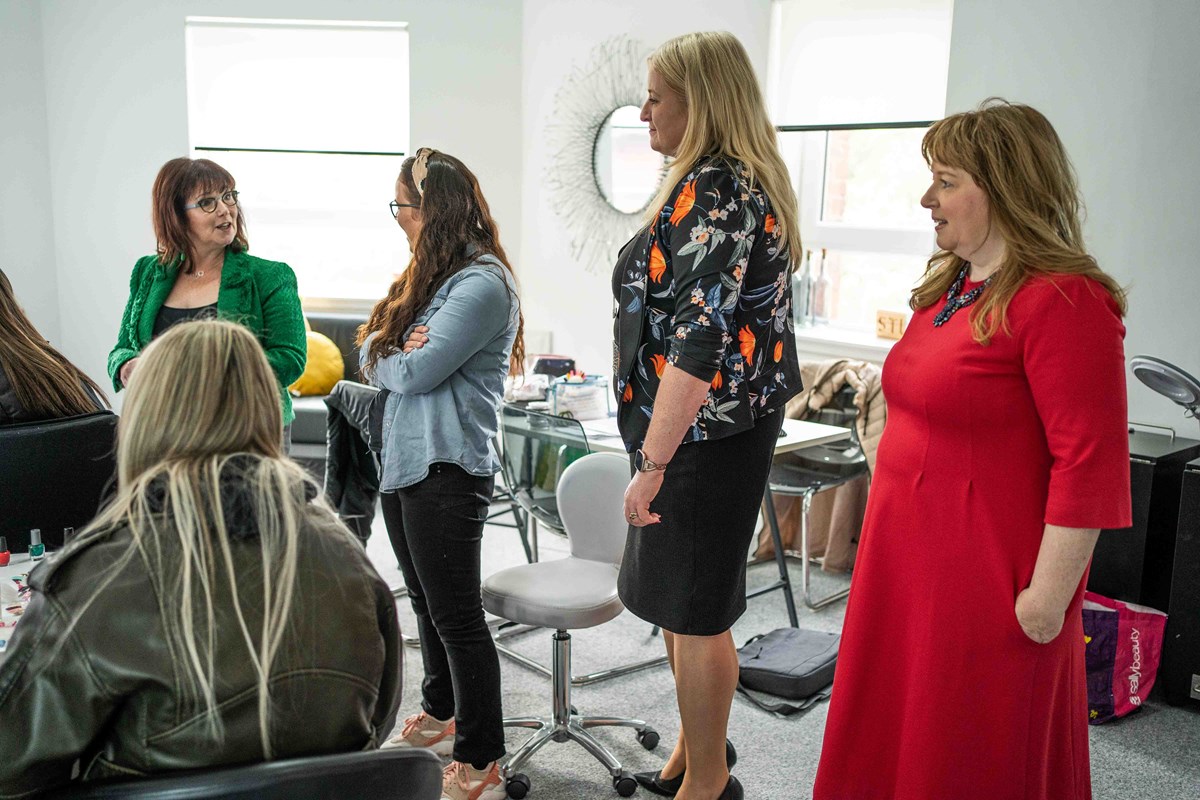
column 55, row 474
column 394, row 774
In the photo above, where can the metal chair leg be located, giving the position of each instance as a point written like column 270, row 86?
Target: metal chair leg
column 806, row 562
column 533, row 537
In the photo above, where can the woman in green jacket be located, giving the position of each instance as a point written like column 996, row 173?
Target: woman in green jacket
column 201, row 270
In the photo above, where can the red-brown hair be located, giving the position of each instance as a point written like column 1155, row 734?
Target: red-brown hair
column 176, row 182
column 456, row 229
column 1014, row 155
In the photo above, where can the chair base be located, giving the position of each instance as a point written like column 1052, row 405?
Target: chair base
column 565, row 725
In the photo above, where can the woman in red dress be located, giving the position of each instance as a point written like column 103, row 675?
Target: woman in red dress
column 962, row 666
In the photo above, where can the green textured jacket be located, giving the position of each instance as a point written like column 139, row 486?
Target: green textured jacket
column 257, row 293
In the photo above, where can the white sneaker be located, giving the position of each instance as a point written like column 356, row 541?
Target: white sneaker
column 464, row 782
column 422, row 730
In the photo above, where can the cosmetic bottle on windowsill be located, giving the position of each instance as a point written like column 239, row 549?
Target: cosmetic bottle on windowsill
column 820, row 295
column 802, row 287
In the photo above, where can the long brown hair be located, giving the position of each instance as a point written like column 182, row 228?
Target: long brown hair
column 176, row 182
column 726, row 116
column 45, row 382
column 1015, row 156
column 456, row 229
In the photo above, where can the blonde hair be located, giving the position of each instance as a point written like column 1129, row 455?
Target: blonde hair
column 203, row 411
column 726, row 116
column 1013, row 153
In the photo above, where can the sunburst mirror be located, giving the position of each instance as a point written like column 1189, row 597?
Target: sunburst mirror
column 602, row 172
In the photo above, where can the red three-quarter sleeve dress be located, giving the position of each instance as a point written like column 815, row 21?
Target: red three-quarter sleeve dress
column 939, row 694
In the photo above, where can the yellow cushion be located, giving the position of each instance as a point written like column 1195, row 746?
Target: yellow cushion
column 325, row 367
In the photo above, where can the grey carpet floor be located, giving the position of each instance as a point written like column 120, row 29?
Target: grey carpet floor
column 1153, row 754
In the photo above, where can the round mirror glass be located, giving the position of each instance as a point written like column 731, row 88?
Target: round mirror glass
column 627, row 171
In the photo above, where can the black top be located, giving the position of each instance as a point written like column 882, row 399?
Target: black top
column 706, row 289
column 168, row 316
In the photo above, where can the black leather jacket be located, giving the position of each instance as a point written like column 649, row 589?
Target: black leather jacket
column 108, row 693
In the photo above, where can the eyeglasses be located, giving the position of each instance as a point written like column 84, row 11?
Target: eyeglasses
column 209, row 204
column 395, row 207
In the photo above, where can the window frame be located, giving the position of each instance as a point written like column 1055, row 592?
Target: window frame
column 207, row 149
column 833, row 339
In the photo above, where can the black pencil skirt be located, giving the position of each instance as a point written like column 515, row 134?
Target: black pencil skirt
column 687, row 574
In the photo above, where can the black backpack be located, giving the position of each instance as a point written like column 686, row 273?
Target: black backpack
column 793, row 663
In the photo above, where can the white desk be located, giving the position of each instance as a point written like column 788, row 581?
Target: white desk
column 603, row 437
column 18, row 565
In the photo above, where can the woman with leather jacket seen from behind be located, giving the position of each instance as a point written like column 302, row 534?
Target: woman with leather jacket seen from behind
column 215, row 613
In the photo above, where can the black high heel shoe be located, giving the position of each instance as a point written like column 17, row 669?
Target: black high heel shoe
column 733, row 790
column 669, row 787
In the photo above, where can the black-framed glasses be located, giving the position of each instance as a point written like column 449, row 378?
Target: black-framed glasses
column 209, row 204
column 395, row 207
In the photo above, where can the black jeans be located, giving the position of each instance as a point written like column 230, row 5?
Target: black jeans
column 436, row 527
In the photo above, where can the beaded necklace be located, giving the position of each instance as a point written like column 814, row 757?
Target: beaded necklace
column 954, row 301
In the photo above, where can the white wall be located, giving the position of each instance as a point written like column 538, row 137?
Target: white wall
column 116, row 105
column 1120, row 83
column 559, row 295
column 26, row 233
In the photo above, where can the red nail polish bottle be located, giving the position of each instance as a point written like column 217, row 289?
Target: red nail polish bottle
column 4, row 554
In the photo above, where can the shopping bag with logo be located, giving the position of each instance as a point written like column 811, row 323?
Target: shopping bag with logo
column 1124, row 647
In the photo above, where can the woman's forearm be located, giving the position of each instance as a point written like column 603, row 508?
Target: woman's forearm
column 1041, row 608
column 676, row 404
column 1061, row 560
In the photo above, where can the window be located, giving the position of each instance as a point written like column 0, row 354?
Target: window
column 846, row 82
column 312, row 120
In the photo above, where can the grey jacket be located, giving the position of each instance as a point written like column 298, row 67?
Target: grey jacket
column 446, row 394
column 109, row 694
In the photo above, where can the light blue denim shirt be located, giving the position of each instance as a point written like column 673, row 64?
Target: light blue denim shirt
column 445, row 396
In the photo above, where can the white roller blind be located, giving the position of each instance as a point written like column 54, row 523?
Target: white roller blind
column 298, row 85
column 845, row 61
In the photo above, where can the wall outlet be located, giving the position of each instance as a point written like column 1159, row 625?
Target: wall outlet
column 890, row 324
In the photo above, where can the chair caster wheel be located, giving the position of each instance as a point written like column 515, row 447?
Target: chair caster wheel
column 625, row 783
column 648, row 738
column 518, row 786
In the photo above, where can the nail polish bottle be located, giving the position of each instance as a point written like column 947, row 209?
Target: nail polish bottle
column 4, row 554
column 37, row 550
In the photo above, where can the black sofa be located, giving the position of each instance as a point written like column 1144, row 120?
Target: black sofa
column 309, row 428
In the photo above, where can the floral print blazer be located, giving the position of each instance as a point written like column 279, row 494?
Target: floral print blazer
column 707, row 289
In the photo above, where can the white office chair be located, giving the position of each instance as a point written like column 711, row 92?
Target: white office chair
column 579, row 591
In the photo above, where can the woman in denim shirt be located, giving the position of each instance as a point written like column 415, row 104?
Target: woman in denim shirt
column 705, row 359
column 441, row 343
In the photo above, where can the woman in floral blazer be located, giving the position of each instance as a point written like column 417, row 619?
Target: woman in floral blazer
column 704, row 361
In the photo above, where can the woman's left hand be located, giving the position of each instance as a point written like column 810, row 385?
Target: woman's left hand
column 417, row 339
column 1039, row 619
column 640, row 493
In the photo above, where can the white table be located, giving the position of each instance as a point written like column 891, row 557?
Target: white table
column 603, row 437
column 18, row 565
